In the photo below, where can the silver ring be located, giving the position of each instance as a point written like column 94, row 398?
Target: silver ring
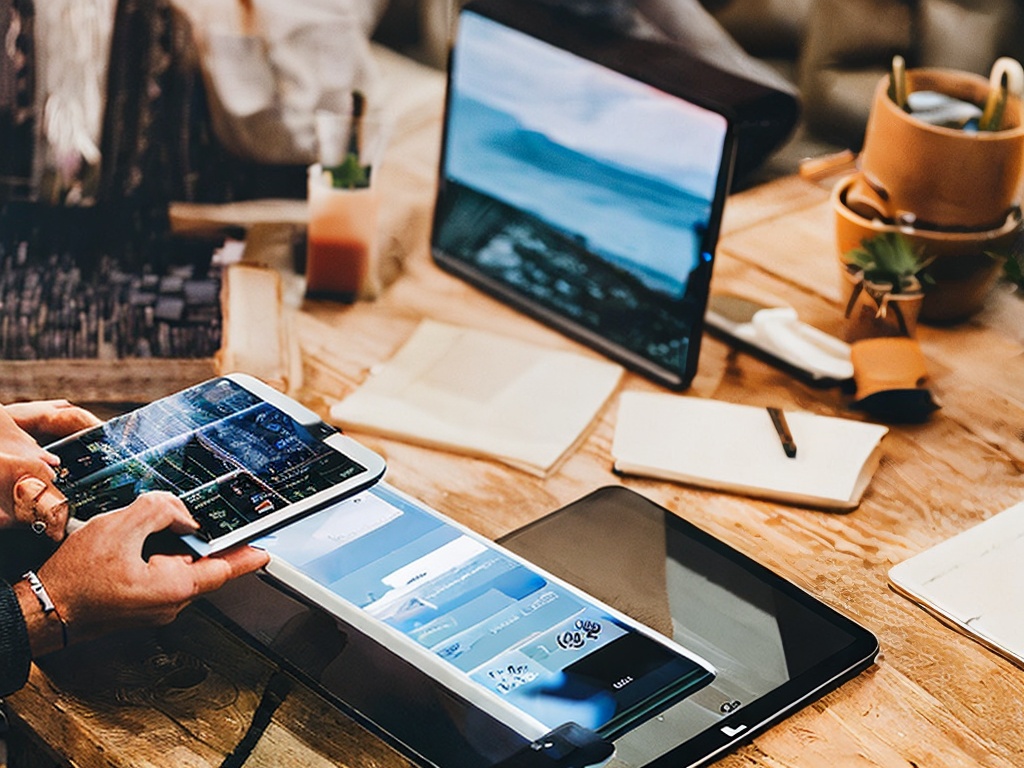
column 38, row 527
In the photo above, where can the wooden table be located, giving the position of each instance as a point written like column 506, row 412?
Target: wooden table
column 183, row 695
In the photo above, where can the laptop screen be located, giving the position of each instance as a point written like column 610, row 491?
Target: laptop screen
column 580, row 191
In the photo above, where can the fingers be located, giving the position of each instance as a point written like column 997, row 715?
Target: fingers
column 210, row 573
column 41, row 506
column 156, row 510
column 51, row 419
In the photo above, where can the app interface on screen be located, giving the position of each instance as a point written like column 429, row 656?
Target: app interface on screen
column 586, row 190
column 231, row 457
column 539, row 647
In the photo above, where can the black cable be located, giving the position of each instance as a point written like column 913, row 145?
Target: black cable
column 278, row 687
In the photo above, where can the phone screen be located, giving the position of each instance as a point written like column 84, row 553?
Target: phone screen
column 234, row 458
column 531, row 649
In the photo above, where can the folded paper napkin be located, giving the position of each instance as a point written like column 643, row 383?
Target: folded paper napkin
column 482, row 394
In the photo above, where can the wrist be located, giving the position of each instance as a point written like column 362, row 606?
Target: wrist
column 47, row 630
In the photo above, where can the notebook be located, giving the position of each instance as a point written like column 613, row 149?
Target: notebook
column 973, row 582
column 736, row 448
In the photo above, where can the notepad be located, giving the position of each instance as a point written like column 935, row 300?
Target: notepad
column 482, row 394
column 974, row 582
column 736, row 448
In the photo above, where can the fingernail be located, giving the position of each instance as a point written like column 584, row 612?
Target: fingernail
column 28, row 489
column 49, row 499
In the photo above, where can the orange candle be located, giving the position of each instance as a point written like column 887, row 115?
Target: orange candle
column 341, row 239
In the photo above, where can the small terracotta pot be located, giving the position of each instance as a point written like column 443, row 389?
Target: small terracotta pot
column 873, row 310
column 941, row 177
column 962, row 269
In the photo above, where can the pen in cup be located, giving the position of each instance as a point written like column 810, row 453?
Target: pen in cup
column 782, row 428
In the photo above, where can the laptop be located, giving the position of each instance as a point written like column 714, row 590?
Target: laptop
column 583, row 177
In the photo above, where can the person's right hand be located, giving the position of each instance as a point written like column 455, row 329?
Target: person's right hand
column 99, row 581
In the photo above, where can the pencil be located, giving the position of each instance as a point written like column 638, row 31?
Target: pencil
column 782, row 428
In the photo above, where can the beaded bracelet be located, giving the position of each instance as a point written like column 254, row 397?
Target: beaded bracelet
column 46, row 603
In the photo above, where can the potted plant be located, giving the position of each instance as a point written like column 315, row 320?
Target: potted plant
column 886, row 275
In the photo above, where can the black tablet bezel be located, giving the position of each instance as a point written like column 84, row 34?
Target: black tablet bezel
column 756, row 716
column 654, row 63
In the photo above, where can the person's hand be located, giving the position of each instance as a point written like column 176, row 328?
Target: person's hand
column 27, row 493
column 49, row 420
column 98, row 580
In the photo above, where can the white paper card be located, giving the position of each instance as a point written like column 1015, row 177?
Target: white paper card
column 975, row 581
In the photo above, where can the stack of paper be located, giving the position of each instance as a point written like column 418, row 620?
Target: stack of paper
column 736, row 448
column 486, row 395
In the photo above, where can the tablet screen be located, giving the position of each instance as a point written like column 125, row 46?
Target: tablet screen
column 580, row 193
column 775, row 647
column 240, row 462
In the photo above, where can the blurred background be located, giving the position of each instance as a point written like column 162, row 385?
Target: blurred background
column 123, row 80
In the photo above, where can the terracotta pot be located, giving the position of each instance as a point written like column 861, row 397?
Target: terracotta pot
column 872, row 310
column 940, row 177
column 963, row 271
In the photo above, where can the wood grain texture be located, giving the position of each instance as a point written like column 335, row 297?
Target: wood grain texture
column 935, row 698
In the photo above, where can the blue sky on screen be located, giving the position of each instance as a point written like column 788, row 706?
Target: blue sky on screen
column 595, row 111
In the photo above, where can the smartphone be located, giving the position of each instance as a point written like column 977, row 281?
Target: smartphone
column 243, row 457
column 506, row 635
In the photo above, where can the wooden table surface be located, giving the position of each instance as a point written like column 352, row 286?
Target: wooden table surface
column 183, row 695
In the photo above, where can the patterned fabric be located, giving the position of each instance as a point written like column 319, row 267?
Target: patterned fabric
column 17, row 88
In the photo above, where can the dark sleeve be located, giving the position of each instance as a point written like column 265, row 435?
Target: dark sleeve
column 15, row 653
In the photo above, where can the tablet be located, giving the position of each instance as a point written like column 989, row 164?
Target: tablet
column 775, row 647
column 243, row 457
column 517, row 642
column 583, row 176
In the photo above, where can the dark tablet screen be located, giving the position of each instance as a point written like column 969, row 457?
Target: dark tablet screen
column 776, row 648
column 580, row 185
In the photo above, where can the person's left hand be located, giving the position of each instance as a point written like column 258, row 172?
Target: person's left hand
column 49, row 420
column 27, row 493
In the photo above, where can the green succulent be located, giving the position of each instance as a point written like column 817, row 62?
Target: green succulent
column 1014, row 268
column 889, row 258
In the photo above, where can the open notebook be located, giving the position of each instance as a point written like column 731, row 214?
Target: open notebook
column 736, row 448
column 973, row 582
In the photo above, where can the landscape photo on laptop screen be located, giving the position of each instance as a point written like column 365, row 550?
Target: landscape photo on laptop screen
column 582, row 190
